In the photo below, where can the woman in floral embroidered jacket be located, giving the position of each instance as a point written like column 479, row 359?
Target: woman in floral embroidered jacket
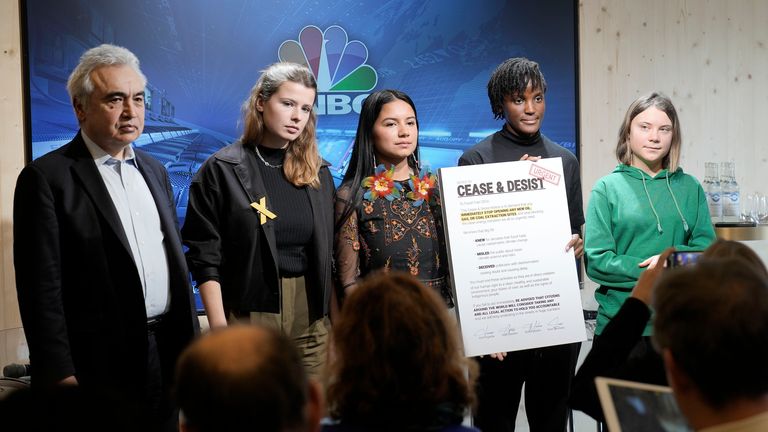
column 388, row 213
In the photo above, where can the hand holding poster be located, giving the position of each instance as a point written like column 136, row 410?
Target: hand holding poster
column 507, row 227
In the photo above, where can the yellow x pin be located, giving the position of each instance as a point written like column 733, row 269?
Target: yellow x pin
column 261, row 207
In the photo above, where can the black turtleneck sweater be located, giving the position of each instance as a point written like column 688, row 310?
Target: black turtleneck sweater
column 502, row 146
column 293, row 225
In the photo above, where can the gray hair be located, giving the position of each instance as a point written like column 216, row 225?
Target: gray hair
column 79, row 84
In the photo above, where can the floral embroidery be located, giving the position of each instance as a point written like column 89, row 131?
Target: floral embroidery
column 372, row 227
column 422, row 187
column 367, row 207
column 413, row 257
column 382, row 184
column 423, row 228
column 403, row 230
column 366, row 251
column 398, row 229
column 407, row 212
column 349, row 234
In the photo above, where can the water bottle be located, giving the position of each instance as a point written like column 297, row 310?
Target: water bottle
column 730, row 192
column 713, row 191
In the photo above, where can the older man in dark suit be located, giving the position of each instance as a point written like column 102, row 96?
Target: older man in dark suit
column 102, row 282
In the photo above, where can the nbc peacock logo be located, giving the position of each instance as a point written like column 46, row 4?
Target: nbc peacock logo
column 338, row 65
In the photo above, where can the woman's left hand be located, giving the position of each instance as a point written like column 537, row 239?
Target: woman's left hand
column 643, row 291
column 530, row 158
column 577, row 244
column 650, row 262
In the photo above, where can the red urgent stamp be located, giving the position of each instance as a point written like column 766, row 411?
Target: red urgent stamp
column 544, row 174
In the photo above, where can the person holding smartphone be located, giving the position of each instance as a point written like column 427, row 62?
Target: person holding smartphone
column 645, row 205
column 615, row 353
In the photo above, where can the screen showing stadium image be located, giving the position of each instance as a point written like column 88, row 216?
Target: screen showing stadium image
column 201, row 59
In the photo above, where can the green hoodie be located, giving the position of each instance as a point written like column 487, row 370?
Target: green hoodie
column 632, row 216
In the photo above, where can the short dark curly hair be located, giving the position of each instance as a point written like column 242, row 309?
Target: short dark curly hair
column 512, row 78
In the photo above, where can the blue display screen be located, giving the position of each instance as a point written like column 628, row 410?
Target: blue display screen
column 202, row 57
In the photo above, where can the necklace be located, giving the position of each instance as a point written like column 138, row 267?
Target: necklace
column 383, row 185
column 262, row 159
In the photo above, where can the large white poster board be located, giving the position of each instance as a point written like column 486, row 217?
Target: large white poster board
column 507, row 227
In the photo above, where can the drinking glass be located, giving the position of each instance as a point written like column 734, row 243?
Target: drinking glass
column 748, row 208
column 762, row 210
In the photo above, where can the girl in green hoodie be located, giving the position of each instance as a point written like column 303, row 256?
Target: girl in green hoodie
column 644, row 206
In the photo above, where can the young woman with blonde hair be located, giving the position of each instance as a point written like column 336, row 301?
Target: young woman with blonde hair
column 259, row 225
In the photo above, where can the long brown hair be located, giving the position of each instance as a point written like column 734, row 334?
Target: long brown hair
column 396, row 350
column 302, row 159
column 623, row 151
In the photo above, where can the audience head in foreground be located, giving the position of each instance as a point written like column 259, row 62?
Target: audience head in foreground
column 397, row 362
column 734, row 249
column 245, row 378
column 711, row 328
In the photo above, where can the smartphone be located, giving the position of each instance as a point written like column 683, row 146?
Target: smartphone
column 683, row 258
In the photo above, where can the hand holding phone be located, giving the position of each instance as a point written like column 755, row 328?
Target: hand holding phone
column 679, row 258
column 643, row 291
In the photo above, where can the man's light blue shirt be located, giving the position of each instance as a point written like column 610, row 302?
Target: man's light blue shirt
column 141, row 222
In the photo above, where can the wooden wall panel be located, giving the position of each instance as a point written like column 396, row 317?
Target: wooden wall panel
column 11, row 153
column 710, row 57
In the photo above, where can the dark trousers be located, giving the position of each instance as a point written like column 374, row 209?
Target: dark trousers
column 547, row 374
column 161, row 413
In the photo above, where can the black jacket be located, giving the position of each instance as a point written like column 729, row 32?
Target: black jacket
column 621, row 352
column 228, row 243
column 502, row 146
column 80, row 296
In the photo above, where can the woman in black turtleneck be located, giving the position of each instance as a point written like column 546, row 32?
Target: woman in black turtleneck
column 259, row 224
column 516, row 93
